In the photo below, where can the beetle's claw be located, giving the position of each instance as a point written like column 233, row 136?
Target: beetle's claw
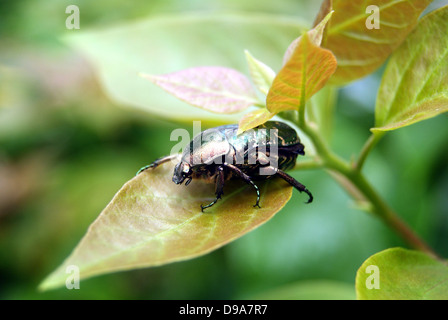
column 310, row 199
column 257, row 205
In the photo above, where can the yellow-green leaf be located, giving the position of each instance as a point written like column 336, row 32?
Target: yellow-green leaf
column 400, row 274
column 151, row 221
column 415, row 83
column 254, row 119
column 305, row 73
column 261, row 74
column 360, row 50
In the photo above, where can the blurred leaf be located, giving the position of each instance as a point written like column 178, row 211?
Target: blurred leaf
column 320, row 110
column 415, row 83
column 254, row 119
column 301, row 77
column 311, row 290
column 151, row 221
column 217, row 89
column 403, row 275
column 360, row 50
column 315, row 35
column 261, row 74
column 167, row 44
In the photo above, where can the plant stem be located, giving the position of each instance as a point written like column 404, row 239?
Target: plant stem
column 368, row 146
column 309, row 165
column 359, row 188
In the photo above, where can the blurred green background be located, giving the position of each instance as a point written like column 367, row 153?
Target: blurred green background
column 66, row 147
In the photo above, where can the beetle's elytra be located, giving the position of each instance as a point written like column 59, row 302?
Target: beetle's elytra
column 219, row 154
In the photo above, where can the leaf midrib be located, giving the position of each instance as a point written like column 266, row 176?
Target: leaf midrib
column 335, row 29
column 145, row 242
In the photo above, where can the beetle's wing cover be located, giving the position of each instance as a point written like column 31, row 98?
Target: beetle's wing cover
column 208, row 147
column 284, row 135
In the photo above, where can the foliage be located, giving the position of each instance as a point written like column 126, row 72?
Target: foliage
column 301, row 243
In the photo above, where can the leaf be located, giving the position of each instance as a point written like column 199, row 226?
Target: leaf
column 165, row 44
column 360, row 50
column 315, row 35
column 403, row 275
column 262, row 75
column 415, row 82
column 301, row 77
column 325, row 8
column 310, row 290
column 254, row 119
column 151, row 221
column 321, row 109
column 215, row 89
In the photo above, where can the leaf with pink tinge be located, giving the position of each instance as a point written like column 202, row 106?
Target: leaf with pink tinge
column 216, row 89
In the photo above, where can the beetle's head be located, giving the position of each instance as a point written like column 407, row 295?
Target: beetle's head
column 182, row 171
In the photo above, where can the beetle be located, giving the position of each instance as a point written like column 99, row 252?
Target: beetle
column 220, row 154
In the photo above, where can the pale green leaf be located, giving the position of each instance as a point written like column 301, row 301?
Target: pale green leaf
column 400, row 274
column 415, row 83
column 261, row 74
column 321, row 108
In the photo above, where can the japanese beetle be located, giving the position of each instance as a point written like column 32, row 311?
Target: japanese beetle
column 219, row 154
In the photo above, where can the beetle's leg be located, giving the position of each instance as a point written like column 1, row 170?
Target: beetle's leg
column 247, row 179
column 157, row 162
column 219, row 188
column 296, row 184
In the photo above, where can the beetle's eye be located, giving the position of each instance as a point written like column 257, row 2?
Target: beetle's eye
column 186, row 168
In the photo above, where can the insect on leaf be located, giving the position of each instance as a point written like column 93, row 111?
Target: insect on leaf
column 151, row 221
column 415, row 83
column 216, row 89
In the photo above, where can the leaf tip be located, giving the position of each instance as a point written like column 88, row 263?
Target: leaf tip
column 240, row 131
